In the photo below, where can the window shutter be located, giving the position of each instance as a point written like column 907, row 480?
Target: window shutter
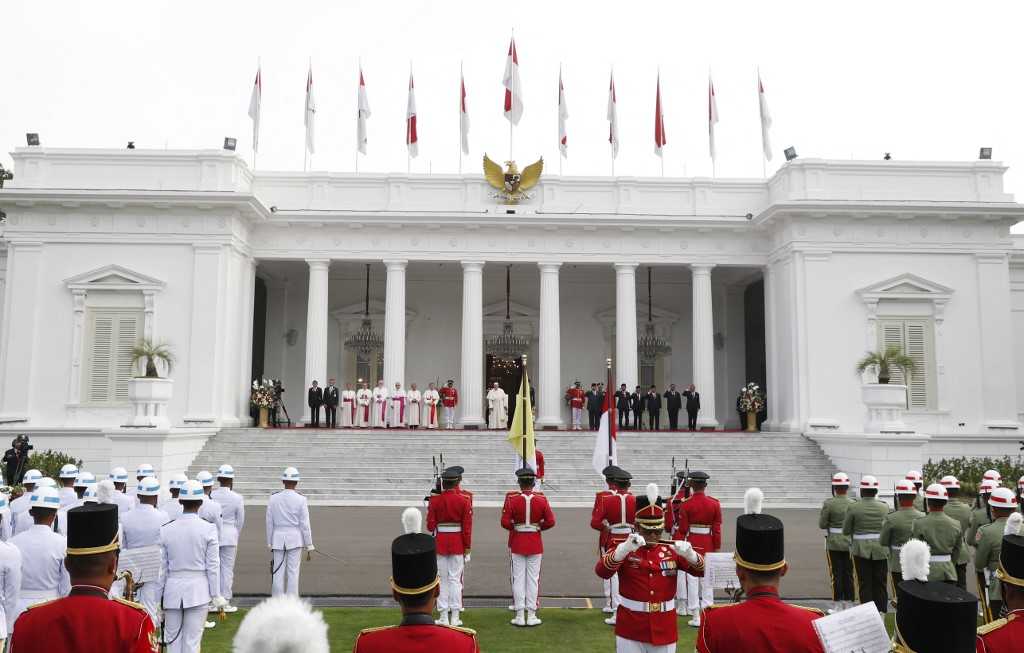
column 127, row 338
column 893, row 336
column 101, row 359
column 114, row 335
column 916, row 349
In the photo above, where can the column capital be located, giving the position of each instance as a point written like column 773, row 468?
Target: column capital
column 548, row 266
column 395, row 263
column 472, row 266
column 318, row 263
column 701, row 268
column 626, row 268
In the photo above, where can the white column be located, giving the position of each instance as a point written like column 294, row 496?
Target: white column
column 207, row 317
column 21, row 307
column 316, row 329
column 471, row 381
column 248, row 288
column 704, row 344
column 549, row 346
column 626, row 367
column 771, row 348
column 996, row 342
column 394, row 324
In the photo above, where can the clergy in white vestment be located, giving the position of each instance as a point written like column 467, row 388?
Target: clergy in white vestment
column 398, row 408
column 348, row 407
column 431, row 400
column 414, row 407
column 497, row 407
column 364, row 406
column 379, row 410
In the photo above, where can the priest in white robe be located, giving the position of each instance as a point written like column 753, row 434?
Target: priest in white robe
column 431, row 401
column 364, row 406
column 414, row 407
column 379, row 416
column 497, row 407
column 347, row 409
column 398, row 407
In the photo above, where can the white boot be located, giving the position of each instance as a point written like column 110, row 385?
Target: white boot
column 610, row 620
column 531, row 618
column 519, row 619
column 442, row 618
column 456, row 619
column 695, row 622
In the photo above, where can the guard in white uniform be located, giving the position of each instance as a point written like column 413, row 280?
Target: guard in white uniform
column 191, row 573
column 141, row 529
column 43, row 576
column 211, row 510
column 25, row 521
column 172, row 506
column 6, row 524
column 82, row 482
column 232, row 507
column 141, row 472
column 20, row 505
column 288, row 533
column 68, row 474
column 119, row 475
column 10, row 588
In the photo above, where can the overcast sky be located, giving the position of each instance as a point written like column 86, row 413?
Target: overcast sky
column 923, row 80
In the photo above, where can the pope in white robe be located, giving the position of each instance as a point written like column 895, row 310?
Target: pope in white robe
column 431, row 401
column 347, row 409
column 379, row 410
column 497, row 407
column 414, row 407
column 398, row 407
column 364, row 406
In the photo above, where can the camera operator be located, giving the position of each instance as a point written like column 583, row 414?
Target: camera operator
column 15, row 460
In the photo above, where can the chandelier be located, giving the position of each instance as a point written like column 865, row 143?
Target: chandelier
column 508, row 344
column 365, row 341
column 649, row 346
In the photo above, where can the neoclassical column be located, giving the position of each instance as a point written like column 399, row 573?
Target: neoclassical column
column 549, row 349
column 471, row 381
column 316, row 328
column 704, row 344
column 626, row 367
column 394, row 324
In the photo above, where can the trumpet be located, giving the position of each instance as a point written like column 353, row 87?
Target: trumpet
column 131, row 587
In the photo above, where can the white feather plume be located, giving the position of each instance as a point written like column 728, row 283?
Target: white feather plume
column 752, row 500
column 412, row 520
column 915, row 557
column 282, row 624
column 1014, row 524
column 105, row 491
column 652, row 493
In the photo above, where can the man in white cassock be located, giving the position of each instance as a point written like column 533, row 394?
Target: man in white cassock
column 431, row 406
column 379, row 410
column 364, row 406
column 497, row 407
column 413, row 407
column 398, row 408
column 347, row 409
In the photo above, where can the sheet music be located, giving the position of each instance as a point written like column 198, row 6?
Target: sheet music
column 857, row 630
column 144, row 562
column 720, row 567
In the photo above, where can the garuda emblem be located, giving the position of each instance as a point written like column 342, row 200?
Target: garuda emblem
column 512, row 184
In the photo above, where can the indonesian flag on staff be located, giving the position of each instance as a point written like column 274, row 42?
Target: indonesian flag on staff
column 613, row 118
column 520, row 434
column 605, row 439
column 766, row 119
column 563, row 115
column 411, row 139
column 463, row 114
column 310, row 115
column 254, row 109
column 362, row 114
column 712, row 117
column 513, row 87
column 659, row 121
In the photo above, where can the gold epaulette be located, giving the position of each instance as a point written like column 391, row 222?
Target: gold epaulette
column 365, row 631
column 720, row 605
column 130, row 604
column 804, row 607
column 465, row 631
column 41, row 604
column 993, row 625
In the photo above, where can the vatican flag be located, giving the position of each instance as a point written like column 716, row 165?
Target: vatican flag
column 520, row 435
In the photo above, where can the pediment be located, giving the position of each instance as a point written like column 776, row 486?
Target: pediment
column 114, row 277
column 906, row 286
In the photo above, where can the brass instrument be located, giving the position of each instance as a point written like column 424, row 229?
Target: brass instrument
column 131, row 587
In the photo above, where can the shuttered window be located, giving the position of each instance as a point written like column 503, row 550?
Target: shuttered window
column 915, row 338
column 108, row 354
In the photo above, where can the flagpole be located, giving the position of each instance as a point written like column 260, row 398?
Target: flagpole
column 259, row 109
column 305, row 145
column 462, row 85
column 512, row 108
column 524, row 393
column 359, row 111
column 560, row 92
column 611, row 411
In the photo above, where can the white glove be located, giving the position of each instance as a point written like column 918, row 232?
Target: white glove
column 632, row 543
column 685, row 550
column 310, row 548
column 219, row 603
column 468, row 555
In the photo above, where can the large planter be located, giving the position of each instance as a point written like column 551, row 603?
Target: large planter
column 885, row 404
column 751, row 421
column 149, row 397
column 264, row 417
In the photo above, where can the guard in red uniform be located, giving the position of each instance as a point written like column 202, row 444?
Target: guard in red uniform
column 672, row 521
column 762, row 623
column 525, row 514
column 576, row 398
column 615, row 515
column 1007, row 634
column 450, row 519
column 596, row 522
column 87, row 620
column 700, row 524
column 647, row 569
column 414, row 584
column 449, row 400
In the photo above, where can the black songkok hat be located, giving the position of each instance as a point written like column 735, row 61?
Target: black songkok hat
column 935, row 617
column 92, row 529
column 760, row 543
column 1011, row 560
column 414, row 564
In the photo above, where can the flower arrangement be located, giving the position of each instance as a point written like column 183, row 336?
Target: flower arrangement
column 751, row 398
column 262, row 394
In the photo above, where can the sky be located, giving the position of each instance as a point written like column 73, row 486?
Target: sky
column 922, row 80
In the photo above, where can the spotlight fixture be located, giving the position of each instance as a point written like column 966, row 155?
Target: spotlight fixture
column 273, row 209
column 230, row 143
column 131, row 145
column 985, row 153
column 32, row 139
column 790, row 153
column 887, row 157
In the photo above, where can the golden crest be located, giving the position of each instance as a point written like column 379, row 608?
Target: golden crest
column 511, row 184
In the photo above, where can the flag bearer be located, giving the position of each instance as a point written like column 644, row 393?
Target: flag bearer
column 288, row 532
column 597, row 523
column 525, row 515
column 863, row 524
column 450, row 519
column 837, row 545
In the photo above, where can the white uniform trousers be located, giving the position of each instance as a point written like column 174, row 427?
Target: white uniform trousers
column 227, row 570
column 698, row 589
column 183, row 628
column 611, row 591
column 681, row 594
column 577, row 418
column 525, row 581
column 149, row 596
column 623, row 645
column 450, row 569
column 449, row 417
column 286, row 571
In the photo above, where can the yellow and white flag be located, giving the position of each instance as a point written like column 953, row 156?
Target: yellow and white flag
column 520, row 435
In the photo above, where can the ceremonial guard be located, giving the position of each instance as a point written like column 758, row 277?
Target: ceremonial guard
column 332, row 397
column 762, row 622
column 981, row 514
column 141, row 528
column 288, row 533
column 647, row 567
column 525, row 515
column 992, row 475
column 314, row 399
column 348, row 407
column 397, row 400
column 700, row 519
column 837, row 545
column 863, row 524
column 431, row 402
column 596, row 523
column 6, row 523
column 1006, row 634
column 414, row 585
column 379, row 416
column 43, row 576
column 10, row 588
column 86, row 620
column 19, row 507
column 449, row 400
column 497, row 407
column 364, row 402
column 68, row 474
column 172, row 506
column 622, row 405
column 141, row 472
column 615, row 516
column 459, row 471
column 190, row 581
column 83, row 481
column 450, row 519
column 576, row 398
column 210, row 510
column 915, row 477
column 672, row 521
column 232, row 507
column 124, row 502
column 961, row 512
column 942, row 534
column 987, row 545
column 898, row 527
column 414, row 412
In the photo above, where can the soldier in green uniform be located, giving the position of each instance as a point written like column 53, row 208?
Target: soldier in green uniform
column 897, row 526
column 837, row 545
column 863, row 524
column 981, row 514
column 987, row 544
column 917, row 478
column 961, row 512
column 942, row 533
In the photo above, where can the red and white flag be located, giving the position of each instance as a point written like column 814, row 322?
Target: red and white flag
column 310, row 115
column 563, row 115
column 659, row 121
column 411, row 139
column 766, row 119
column 606, row 438
column 362, row 114
column 254, row 109
column 712, row 118
column 513, row 87
column 463, row 114
column 613, row 118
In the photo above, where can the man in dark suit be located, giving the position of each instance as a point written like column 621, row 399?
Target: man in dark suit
column 593, row 407
column 692, row 406
column 652, row 405
column 673, row 403
column 636, row 404
column 331, row 400
column 600, row 405
column 622, row 404
column 315, row 400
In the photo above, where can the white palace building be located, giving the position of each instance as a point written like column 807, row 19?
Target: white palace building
column 785, row 281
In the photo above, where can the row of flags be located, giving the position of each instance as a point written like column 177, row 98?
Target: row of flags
column 513, row 111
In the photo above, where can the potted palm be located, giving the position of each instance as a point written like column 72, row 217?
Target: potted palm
column 149, row 394
column 883, row 362
column 885, row 401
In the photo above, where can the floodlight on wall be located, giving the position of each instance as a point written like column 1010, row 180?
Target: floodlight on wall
column 985, row 153
column 887, row 157
column 790, row 153
column 131, row 145
column 230, row 143
column 32, row 139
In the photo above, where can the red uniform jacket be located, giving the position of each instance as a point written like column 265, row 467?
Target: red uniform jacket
column 608, row 508
column 1002, row 635
column 761, row 623
column 450, row 519
column 576, row 397
column 524, row 527
column 82, row 621
column 465, row 493
column 648, row 575
column 417, row 638
column 540, row 465
column 449, row 397
column 595, row 519
column 701, row 513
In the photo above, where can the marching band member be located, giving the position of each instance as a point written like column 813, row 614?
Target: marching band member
column 863, row 523
column 141, row 528
column 837, row 545
column 898, row 528
column 43, row 575
column 1005, row 635
column 525, row 514
column 931, row 616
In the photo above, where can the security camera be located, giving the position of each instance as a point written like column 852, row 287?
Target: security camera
column 750, row 216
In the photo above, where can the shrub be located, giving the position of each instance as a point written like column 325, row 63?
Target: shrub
column 970, row 470
column 49, row 462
